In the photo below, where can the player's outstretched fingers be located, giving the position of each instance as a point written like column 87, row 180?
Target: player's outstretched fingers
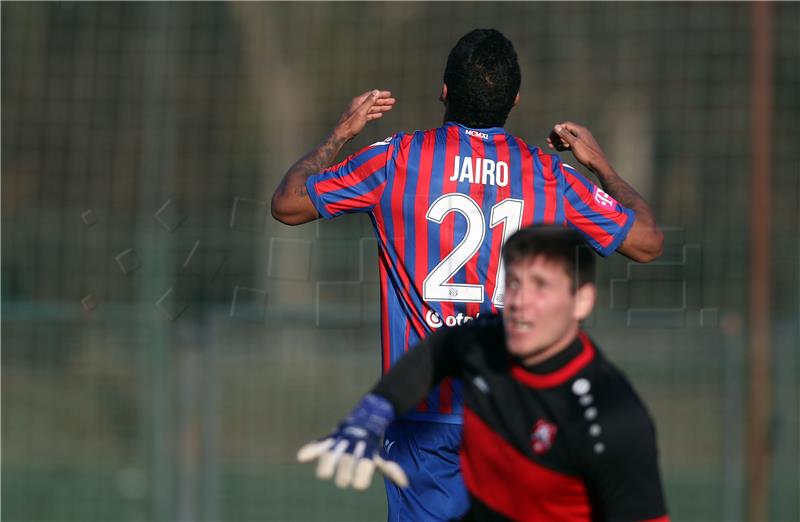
column 312, row 450
column 365, row 468
column 392, row 471
column 347, row 465
column 329, row 459
column 345, row 471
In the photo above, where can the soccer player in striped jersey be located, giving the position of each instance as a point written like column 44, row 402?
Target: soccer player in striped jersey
column 442, row 202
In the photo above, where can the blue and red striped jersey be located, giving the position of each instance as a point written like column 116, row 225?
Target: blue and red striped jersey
column 442, row 202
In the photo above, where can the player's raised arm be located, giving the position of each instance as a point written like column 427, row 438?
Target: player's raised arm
column 645, row 240
column 290, row 202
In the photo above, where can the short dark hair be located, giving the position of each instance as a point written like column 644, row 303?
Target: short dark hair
column 560, row 244
column 483, row 79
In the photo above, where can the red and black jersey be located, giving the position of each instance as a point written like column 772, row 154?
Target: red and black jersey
column 568, row 439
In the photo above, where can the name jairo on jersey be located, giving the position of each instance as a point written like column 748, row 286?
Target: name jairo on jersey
column 484, row 171
column 442, row 202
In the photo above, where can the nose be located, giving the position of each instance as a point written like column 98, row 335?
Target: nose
column 513, row 300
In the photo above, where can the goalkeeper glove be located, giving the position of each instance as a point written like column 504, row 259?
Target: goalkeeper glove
column 351, row 450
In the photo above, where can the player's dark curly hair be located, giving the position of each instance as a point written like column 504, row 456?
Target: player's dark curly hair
column 559, row 244
column 483, row 79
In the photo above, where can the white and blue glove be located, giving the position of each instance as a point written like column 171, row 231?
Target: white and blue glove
column 351, row 450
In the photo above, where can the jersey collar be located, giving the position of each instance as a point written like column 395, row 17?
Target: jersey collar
column 543, row 375
column 491, row 131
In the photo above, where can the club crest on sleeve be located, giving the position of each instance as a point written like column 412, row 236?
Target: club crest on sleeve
column 543, row 434
column 603, row 199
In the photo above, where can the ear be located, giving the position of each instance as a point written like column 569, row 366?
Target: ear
column 584, row 301
column 516, row 100
column 443, row 95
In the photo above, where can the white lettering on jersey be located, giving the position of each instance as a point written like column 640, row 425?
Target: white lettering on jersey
column 502, row 173
column 384, row 142
column 477, row 134
column 488, row 172
column 466, row 172
column 434, row 320
column 485, row 171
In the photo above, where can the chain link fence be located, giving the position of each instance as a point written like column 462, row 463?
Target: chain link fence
column 167, row 346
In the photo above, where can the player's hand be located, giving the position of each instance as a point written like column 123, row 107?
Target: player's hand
column 351, row 451
column 367, row 107
column 570, row 136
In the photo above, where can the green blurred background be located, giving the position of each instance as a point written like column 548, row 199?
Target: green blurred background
column 167, row 345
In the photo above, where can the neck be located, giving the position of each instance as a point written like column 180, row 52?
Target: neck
column 448, row 118
column 555, row 348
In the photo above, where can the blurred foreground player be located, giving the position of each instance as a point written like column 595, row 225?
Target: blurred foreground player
column 552, row 430
column 442, row 202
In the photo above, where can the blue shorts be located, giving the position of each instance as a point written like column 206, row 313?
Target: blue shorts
column 428, row 453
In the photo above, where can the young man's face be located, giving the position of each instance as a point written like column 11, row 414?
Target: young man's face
column 542, row 312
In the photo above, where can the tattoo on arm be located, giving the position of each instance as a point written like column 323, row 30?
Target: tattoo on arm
column 294, row 182
column 312, row 163
column 619, row 189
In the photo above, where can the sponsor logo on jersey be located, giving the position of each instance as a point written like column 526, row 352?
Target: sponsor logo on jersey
column 434, row 320
column 542, row 436
column 387, row 445
column 477, row 134
column 480, row 170
column 384, row 142
column 603, row 199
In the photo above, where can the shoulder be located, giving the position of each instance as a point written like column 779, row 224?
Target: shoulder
column 619, row 409
column 548, row 160
column 394, row 140
column 401, row 142
column 419, row 134
column 433, row 135
column 535, row 151
column 612, row 433
column 385, row 142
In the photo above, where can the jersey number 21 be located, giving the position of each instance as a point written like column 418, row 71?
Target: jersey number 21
column 435, row 287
